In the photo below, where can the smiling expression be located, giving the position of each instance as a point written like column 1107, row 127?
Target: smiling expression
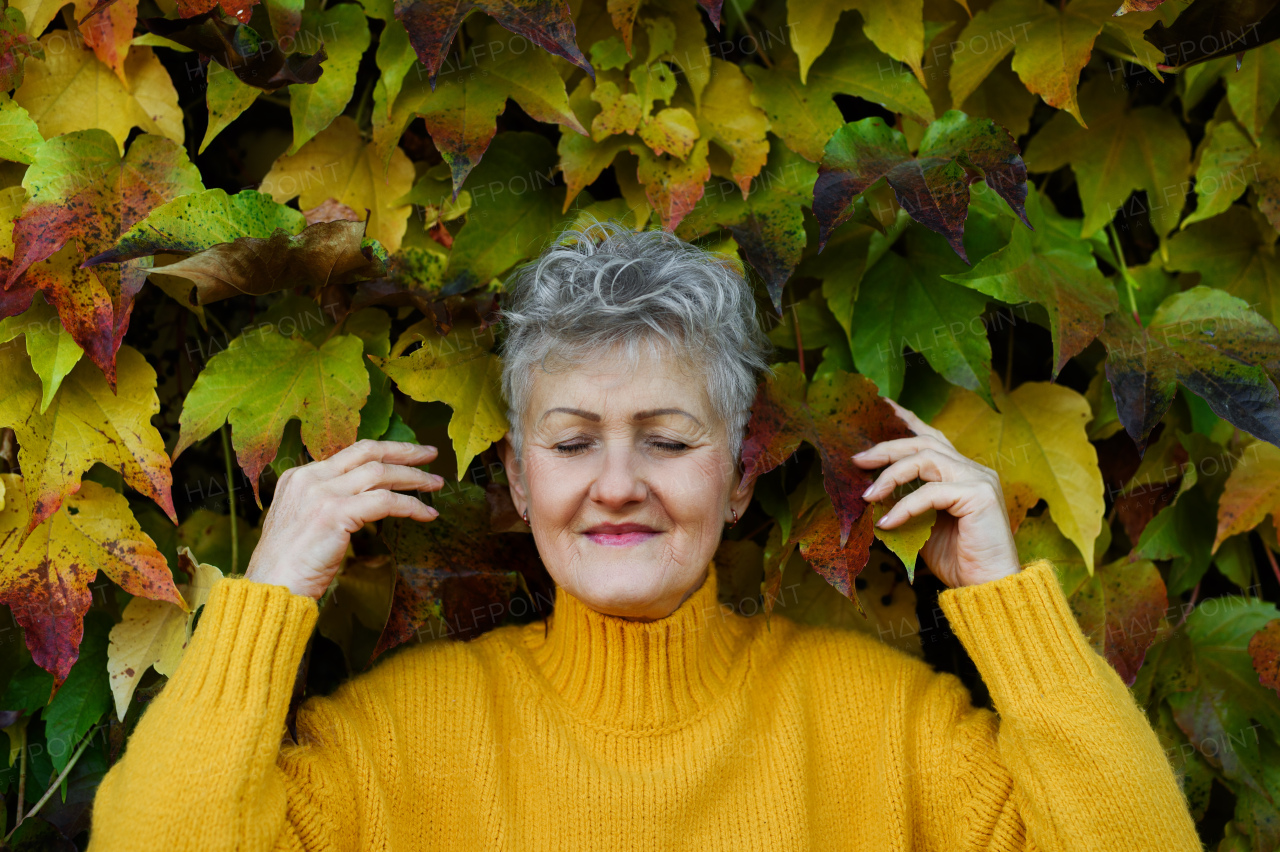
column 628, row 482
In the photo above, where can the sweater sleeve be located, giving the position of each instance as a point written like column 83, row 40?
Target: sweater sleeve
column 204, row 768
column 1068, row 763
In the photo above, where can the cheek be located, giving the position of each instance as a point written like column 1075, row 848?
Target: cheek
column 695, row 489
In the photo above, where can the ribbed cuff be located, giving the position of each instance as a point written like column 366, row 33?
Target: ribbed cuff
column 1022, row 635
column 246, row 649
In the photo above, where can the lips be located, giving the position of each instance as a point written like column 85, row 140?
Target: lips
column 620, row 535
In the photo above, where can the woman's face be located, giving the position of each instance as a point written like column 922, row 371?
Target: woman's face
column 606, row 447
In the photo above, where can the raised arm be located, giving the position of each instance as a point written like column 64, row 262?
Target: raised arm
column 1071, row 763
column 205, row 768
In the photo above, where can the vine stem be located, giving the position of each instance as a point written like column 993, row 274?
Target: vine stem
column 22, row 780
column 764, row 57
column 1130, row 284
column 795, row 319
column 1271, row 557
column 48, row 794
column 1195, row 593
column 231, row 502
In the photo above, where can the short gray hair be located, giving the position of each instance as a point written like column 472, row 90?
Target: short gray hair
column 604, row 285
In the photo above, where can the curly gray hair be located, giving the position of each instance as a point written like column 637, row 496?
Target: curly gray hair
column 604, row 285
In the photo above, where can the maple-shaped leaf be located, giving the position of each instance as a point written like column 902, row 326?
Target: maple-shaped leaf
column 1117, row 605
column 805, row 114
column 1227, row 163
column 262, row 380
column 1127, row 6
column 1219, row 691
column 840, row 414
column 1252, row 492
column 45, row 578
column 1035, row 438
column 108, row 30
column 909, row 303
column 1209, row 341
column 895, row 28
column 932, row 187
column 1252, row 90
column 73, row 90
column 1051, row 45
column 344, row 32
column 1233, row 252
column 201, row 220
column 86, row 422
column 907, row 539
column 15, row 48
column 107, row 197
column 338, row 164
column 454, row 370
column 1264, row 650
column 432, row 24
column 1143, row 148
column 453, row 570
column 227, row 97
column 510, row 218
column 154, row 633
column 735, row 124
column 1052, row 267
column 768, row 224
column 259, row 62
column 461, row 112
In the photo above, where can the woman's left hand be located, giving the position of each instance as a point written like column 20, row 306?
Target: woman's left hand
column 971, row 542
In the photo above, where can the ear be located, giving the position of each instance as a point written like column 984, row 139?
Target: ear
column 515, row 481
column 742, row 490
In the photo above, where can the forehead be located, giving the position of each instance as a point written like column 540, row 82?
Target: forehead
column 607, row 385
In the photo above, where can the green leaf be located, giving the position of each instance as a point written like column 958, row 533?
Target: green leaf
column 1124, row 150
column 227, row 97
column 19, row 137
column 85, row 695
column 1050, row 266
column 908, row 303
column 1232, row 252
column 1209, row 341
column 314, row 106
column 895, row 28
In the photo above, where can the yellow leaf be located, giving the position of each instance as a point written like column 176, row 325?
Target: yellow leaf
column 38, row 14
column 338, row 164
column 1037, row 439
column 906, row 539
column 85, row 423
column 464, row 376
column 734, row 123
column 156, row 633
column 72, row 90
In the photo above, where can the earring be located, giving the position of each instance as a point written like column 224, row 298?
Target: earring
column 526, row 515
column 735, row 517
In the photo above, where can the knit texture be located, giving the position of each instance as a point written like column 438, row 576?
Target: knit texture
column 701, row 731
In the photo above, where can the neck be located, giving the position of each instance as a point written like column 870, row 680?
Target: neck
column 629, row 674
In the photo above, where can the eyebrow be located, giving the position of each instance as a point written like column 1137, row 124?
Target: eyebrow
column 636, row 418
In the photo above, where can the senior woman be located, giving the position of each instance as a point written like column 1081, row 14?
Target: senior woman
column 642, row 715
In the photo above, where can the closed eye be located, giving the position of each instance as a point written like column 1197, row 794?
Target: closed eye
column 574, row 449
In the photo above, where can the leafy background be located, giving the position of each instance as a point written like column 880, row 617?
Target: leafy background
column 236, row 237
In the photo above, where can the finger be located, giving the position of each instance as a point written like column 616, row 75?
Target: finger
column 371, row 506
column 929, row 465
column 887, row 452
column 914, row 423
column 367, row 450
column 952, row 497
column 393, row 477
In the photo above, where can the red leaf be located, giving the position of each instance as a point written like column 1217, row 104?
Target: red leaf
column 843, row 414
column 432, row 24
column 1264, row 648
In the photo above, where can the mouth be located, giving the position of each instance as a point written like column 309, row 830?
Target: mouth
column 620, row 535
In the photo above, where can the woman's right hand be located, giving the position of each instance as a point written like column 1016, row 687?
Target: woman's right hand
column 318, row 505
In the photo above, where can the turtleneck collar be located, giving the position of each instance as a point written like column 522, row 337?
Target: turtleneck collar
column 641, row 675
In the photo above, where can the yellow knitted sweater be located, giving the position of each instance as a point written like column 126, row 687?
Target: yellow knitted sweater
column 701, row 731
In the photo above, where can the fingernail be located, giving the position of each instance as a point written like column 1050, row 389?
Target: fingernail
column 880, row 523
column 866, row 494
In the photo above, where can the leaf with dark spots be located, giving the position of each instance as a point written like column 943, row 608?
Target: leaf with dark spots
column 838, row 563
column 1264, row 650
column 256, row 61
column 432, row 24
column 769, row 224
column 713, row 8
column 86, row 422
column 1138, row 6
column 840, row 415
column 932, row 187
column 1209, row 29
column 81, row 192
column 323, row 254
column 1252, row 492
column 455, row 575
column 1209, row 341
column 45, row 579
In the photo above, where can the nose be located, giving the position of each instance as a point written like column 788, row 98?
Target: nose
column 620, row 480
